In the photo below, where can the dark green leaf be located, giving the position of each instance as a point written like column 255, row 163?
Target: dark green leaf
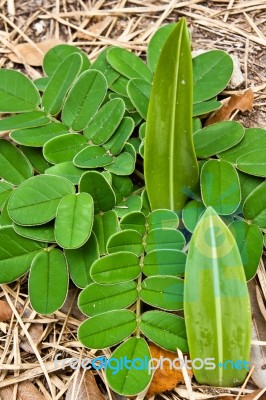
column 156, row 44
column 37, row 137
column 64, row 147
column 126, row 240
column 164, row 262
column 134, row 220
column 123, row 164
column 67, row 170
column 132, row 203
column 162, row 219
column 254, row 208
column 41, row 233
column 191, row 214
column 139, row 92
column 117, row 142
column 101, row 64
column 5, row 191
column 35, row 156
column 92, row 157
column 26, row 120
column 105, row 225
column 206, row 107
column 164, row 238
column 253, row 163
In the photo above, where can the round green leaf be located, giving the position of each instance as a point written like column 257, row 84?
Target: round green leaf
column 117, row 142
column 105, row 122
column 16, row 254
column 92, row 157
column 123, row 164
column 156, row 44
column 26, row 120
column 217, row 137
column 41, row 83
column 105, row 225
column 166, row 330
column 36, row 200
column 96, row 299
column 84, row 99
column 139, row 92
column 17, row 92
column 253, row 163
column 122, row 186
column 134, row 376
column 35, row 156
column 164, row 292
column 119, row 86
column 250, row 244
column 127, row 240
column 37, row 137
column 164, row 238
column 48, row 281
column 41, row 233
column 64, row 147
column 164, row 262
column 254, row 208
column 220, row 186
column 191, row 214
column 74, row 219
column 212, row 71
column 162, row 219
column 80, row 261
column 135, row 220
column 132, row 203
column 247, row 184
column 116, row 268
column 57, row 54
column 101, row 64
column 95, row 184
column 14, row 166
column 107, row 329
column 5, row 191
column 67, row 170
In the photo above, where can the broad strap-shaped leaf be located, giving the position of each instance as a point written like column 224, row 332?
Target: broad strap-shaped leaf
column 164, row 238
column 74, row 220
column 156, row 44
column 119, row 267
column 97, row 299
column 166, row 330
column 37, row 137
column 48, row 281
column 139, row 92
column 211, row 71
column 14, row 166
column 60, row 83
column 124, row 164
column 107, row 329
column 105, row 121
column 220, row 186
column 134, row 376
column 217, row 137
column 84, row 99
column 164, row 292
column 117, row 142
column 135, row 220
column 93, row 157
column 164, row 262
column 63, row 148
column 254, row 207
column 67, row 170
column 41, row 233
column 36, row 200
column 192, row 213
column 16, row 254
column 105, row 225
column 17, row 92
column 162, row 219
column 253, row 163
column 126, row 240
column 128, row 64
column 215, row 298
column 80, row 261
column 250, row 244
column 95, row 184
column 170, row 165
column 26, row 120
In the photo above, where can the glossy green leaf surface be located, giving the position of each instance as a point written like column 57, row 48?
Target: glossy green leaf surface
column 156, row 44
column 84, row 99
column 135, row 220
column 74, row 220
column 105, row 330
column 126, row 240
column 139, row 92
column 214, row 66
column 124, row 164
column 215, row 297
column 254, row 207
column 164, row 292
column 63, row 148
column 14, row 166
column 66, row 170
column 41, row 233
column 116, row 268
column 250, row 244
column 117, row 142
column 80, row 261
column 105, row 225
column 95, row 184
column 164, row 262
column 162, row 219
column 48, row 281
column 60, row 83
column 105, row 121
column 17, row 92
column 37, row 137
column 166, row 330
column 217, row 137
column 191, row 214
column 36, row 200
column 92, row 157
column 16, row 254
column 128, row 64
column 26, row 120
column 96, row 299
column 163, row 238
column 130, row 381
column 220, row 186
column 253, row 163
column 170, row 166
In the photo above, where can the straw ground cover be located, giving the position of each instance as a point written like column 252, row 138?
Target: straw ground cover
column 30, row 342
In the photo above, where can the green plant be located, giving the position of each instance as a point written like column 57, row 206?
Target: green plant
column 72, row 194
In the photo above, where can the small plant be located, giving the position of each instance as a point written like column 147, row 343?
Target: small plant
column 73, row 199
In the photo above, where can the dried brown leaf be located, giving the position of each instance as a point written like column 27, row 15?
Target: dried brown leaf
column 242, row 102
column 84, row 387
column 25, row 391
column 26, row 53
column 256, row 395
column 5, row 311
column 164, row 378
column 96, row 28
column 35, row 331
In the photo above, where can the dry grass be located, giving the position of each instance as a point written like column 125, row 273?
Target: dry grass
column 237, row 26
